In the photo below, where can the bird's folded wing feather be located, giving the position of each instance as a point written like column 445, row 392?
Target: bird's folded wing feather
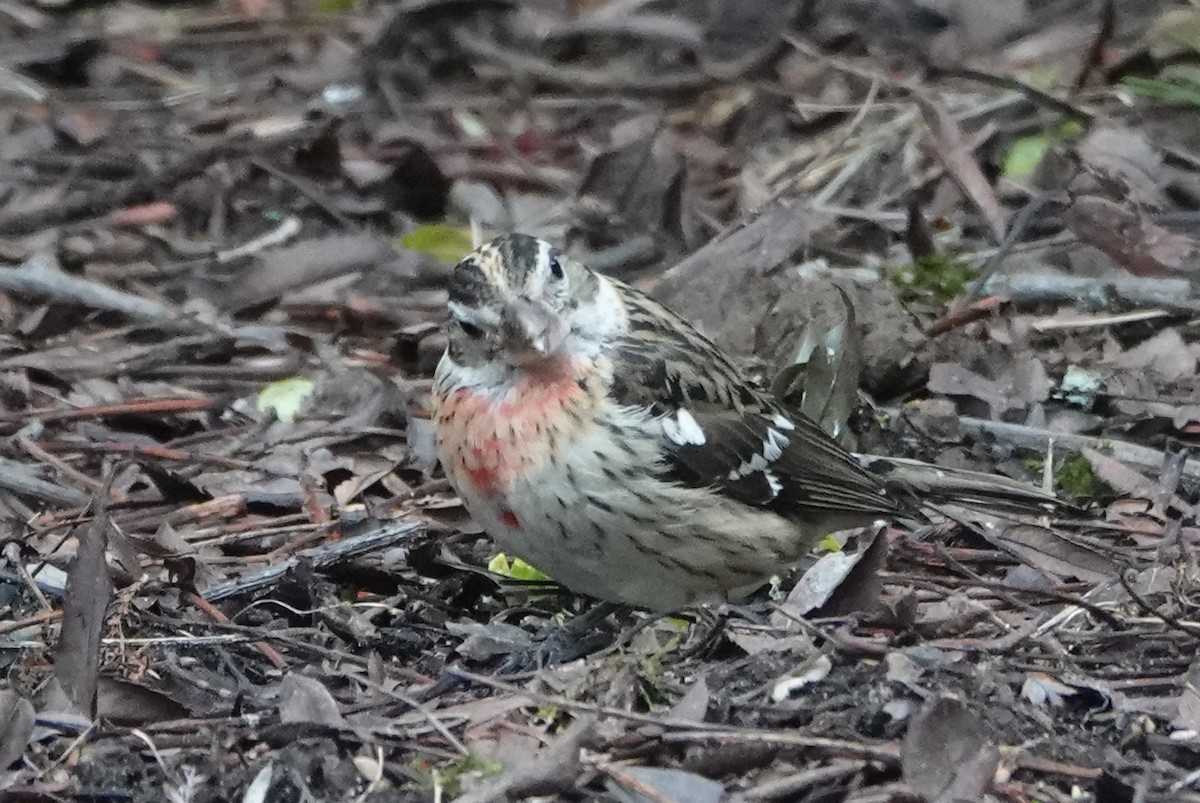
column 719, row 431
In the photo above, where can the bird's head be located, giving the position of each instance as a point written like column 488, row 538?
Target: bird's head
column 520, row 302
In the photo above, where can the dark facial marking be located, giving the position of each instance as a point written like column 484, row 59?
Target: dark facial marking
column 468, row 285
column 520, row 252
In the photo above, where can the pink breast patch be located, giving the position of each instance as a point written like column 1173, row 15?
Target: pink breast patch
column 492, row 441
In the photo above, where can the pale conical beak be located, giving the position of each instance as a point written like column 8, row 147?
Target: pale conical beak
column 532, row 331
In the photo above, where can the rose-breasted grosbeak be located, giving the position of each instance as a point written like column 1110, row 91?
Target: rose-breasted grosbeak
column 599, row 436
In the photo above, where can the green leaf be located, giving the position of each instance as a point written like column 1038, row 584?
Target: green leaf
column 1042, row 76
column 939, row 275
column 1176, row 30
column 1176, row 91
column 443, row 242
column 1076, row 477
column 515, row 568
column 449, row 779
column 829, row 544
column 471, row 123
column 1024, row 155
column 334, row 6
column 1071, row 129
column 285, row 397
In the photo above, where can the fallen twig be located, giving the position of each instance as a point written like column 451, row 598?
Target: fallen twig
column 319, row 557
column 131, row 407
column 285, row 231
column 1016, row 231
column 58, row 464
column 1032, row 93
column 1095, row 54
column 21, row 481
column 40, row 276
column 1051, row 287
column 210, row 610
column 952, row 148
column 1063, row 322
column 1038, row 438
column 137, row 452
column 580, row 79
column 976, row 310
column 677, row 730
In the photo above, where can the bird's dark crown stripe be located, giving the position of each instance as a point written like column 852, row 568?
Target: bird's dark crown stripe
column 518, row 253
column 468, row 285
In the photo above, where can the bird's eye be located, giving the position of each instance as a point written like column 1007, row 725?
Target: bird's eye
column 556, row 269
column 471, row 330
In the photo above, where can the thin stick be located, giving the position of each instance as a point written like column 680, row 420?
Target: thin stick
column 39, row 276
column 1038, row 438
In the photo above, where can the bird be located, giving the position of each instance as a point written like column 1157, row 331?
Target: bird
column 599, row 436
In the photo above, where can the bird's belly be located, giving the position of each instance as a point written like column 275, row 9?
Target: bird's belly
column 606, row 524
column 592, row 508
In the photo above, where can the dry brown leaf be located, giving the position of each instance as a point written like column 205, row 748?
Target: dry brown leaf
column 125, row 703
column 632, row 784
column 839, row 582
column 305, row 699
column 946, row 755
column 1165, row 353
column 305, row 263
column 1046, row 551
column 1128, row 236
column 951, row 148
column 16, row 726
column 1125, row 161
column 89, row 590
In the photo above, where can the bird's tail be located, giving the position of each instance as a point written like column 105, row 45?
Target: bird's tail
column 925, row 483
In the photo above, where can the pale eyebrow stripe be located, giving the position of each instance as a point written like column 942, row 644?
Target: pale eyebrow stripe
column 473, row 314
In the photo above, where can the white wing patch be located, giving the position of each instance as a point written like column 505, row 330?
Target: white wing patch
column 748, row 467
column 683, row 429
column 773, row 446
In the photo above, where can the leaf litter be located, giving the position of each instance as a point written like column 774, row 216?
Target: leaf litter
column 233, row 571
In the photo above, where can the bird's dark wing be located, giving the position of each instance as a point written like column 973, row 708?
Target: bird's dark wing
column 720, row 431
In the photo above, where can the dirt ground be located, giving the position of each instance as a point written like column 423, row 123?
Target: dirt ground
column 232, row 570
